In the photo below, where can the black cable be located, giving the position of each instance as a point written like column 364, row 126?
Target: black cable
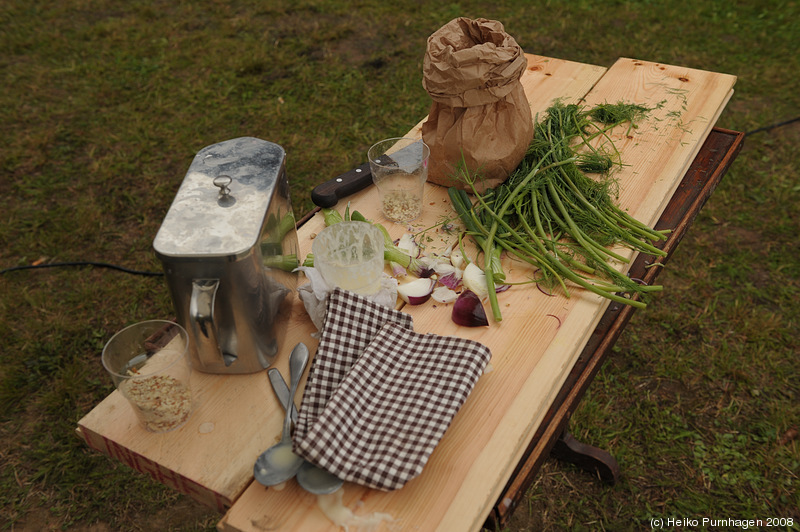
column 158, row 274
column 82, row 263
column 773, row 126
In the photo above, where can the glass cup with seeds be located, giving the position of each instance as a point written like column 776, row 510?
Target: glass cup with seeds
column 149, row 364
column 399, row 169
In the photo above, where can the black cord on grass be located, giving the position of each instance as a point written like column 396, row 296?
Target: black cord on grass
column 159, row 274
column 82, row 263
column 773, row 126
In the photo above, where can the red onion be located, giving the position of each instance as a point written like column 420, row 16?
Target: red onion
column 468, row 310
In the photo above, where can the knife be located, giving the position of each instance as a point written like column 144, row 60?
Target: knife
column 329, row 193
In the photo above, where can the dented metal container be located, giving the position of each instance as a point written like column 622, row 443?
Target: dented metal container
column 228, row 246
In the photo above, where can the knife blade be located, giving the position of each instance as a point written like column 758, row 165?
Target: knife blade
column 329, row 193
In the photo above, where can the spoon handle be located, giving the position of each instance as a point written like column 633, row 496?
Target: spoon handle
column 281, row 390
column 297, row 364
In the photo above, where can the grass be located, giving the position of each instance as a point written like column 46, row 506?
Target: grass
column 105, row 104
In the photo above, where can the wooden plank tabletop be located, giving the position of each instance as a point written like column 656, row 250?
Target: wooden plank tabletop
column 211, row 457
column 532, row 353
column 706, row 171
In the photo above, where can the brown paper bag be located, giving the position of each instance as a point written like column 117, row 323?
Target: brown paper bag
column 480, row 114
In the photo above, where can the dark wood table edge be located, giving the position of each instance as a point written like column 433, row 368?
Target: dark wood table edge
column 552, row 438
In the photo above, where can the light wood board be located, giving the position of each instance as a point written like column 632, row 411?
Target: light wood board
column 533, row 348
column 539, row 338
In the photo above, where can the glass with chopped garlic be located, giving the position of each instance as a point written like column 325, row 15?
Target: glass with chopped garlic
column 148, row 364
column 399, row 169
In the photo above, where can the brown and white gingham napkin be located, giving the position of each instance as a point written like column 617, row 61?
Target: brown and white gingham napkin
column 351, row 322
column 388, row 413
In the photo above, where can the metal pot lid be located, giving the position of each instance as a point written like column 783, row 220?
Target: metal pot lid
column 220, row 207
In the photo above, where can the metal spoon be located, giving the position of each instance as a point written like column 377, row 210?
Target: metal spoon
column 312, row 478
column 316, row 480
column 281, row 390
column 278, row 463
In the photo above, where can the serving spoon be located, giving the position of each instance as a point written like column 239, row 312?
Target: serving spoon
column 278, row 463
column 310, row 477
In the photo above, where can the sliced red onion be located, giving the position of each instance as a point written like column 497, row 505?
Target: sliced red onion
column 426, row 273
column 443, row 268
column 542, row 291
column 451, row 280
column 557, row 318
column 398, row 270
column 417, row 291
column 407, row 244
column 475, row 280
column 468, row 310
column 419, row 269
column 457, row 259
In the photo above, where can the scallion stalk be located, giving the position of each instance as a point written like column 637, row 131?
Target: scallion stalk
column 550, row 214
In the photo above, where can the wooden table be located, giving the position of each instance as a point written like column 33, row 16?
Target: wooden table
column 541, row 366
column 552, row 437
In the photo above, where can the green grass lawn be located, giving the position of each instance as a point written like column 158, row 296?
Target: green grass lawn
column 104, row 105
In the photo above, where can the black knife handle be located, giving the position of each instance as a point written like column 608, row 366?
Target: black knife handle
column 329, row 193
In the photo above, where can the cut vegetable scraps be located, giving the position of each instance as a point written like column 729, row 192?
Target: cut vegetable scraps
column 434, row 276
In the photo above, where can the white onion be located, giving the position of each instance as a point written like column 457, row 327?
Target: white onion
column 442, row 294
column 474, row 279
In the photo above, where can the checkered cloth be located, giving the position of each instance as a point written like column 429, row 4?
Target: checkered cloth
column 351, row 322
column 394, row 402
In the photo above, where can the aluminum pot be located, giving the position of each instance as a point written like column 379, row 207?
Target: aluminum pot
column 228, row 246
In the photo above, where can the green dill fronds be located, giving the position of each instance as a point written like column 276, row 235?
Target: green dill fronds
column 595, row 163
column 618, row 113
column 553, row 215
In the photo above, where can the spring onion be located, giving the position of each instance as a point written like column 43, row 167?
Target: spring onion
column 286, row 262
column 554, row 216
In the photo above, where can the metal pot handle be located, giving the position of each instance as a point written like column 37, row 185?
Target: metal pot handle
column 201, row 315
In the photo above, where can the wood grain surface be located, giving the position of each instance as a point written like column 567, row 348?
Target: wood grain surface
column 533, row 347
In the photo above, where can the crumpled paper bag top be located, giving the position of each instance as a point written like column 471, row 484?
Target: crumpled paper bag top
column 472, row 62
column 480, row 116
